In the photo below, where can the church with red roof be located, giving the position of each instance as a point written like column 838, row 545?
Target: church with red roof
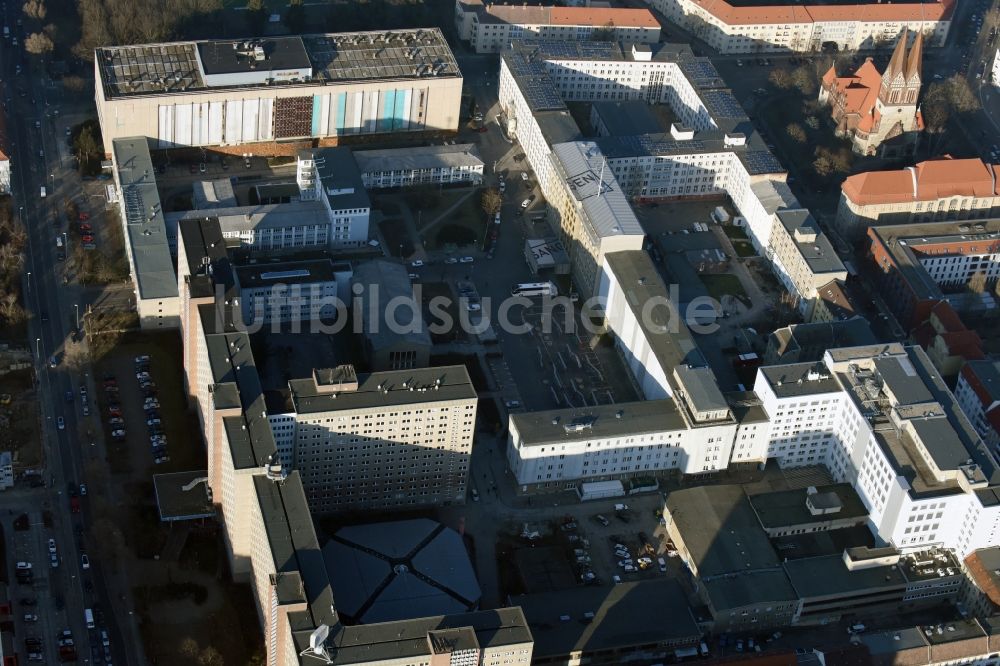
column 879, row 112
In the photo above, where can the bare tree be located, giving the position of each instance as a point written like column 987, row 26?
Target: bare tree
column 795, row 131
column 804, row 79
column 189, row 648
column 977, row 283
column 491, row 201
column 780, row 78
column 35, row 9
column 38, row 43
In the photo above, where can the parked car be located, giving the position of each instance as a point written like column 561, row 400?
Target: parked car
column 84, row 562
column 417, row 263
column 52, row 545
column 466, row 260
column 30, row 617
column 61, row 423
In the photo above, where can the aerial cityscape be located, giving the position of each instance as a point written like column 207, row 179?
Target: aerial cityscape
column 475, row 333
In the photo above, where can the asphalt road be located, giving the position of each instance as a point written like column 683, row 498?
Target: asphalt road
column 40, row 158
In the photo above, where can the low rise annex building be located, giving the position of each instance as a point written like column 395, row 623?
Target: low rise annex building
column 261, row 96
column 774, row 27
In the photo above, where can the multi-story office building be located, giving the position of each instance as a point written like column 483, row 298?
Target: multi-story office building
column 292, row 291
column 981, row 588
column 878, row 112
column 4, row 155
column 144, row 228
column 383, row 440
column 490, row 27
column 763, row 27
column 424, row 165
column 6, row 470
column 278, row 94
column 802, row 257
column 978, row 394
column 919, row 265
column 931, row 191
column 882, row 419
column 711, row 151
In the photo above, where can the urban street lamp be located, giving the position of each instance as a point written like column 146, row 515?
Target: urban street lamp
column 76, row 306
column 38, row 347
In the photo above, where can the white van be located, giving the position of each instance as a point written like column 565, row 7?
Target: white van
column 88, row 615
column 43, row 192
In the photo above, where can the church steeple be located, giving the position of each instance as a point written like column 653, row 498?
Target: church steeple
column 898, row 61
column 893, row 88
column 915, row 61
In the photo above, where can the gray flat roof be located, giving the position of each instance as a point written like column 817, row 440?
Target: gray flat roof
column 288, row 272
column 626, row 615
column 627, row 117
column 341, row 179
column 407, row 639
column 295, row 213
column 577, row 424
column 181, row 496
column 827, row 576
column 418, row 157
column 720, row 530
column 667, row 333
column 800, row 379
column 896, row 640
column 454, row 385
column 818, row 253
column 382, row 282
column 788, row 507
column 750, row 588
column 987, row 372
column 178, row 67
column 293, row 543
column 219, row 57
column 145, row 230
column 701, row 388
column 900, row 376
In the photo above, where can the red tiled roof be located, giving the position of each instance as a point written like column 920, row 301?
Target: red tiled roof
column 859, row 92
column 862, row 11
column 590, row 16
column 947, row 317
column 927, row 181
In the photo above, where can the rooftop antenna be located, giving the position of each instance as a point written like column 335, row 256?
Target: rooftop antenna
column 317, row 645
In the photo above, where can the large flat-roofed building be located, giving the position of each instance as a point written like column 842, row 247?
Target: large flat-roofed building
column 425, row 165
column 717, row 534
column 146, row 244
column 490, row 27
column 966, row 641
column 261, row 95
column 394, row 333
column 710, row 149
column 881, row 418
column 812, row 509
column 384, row 440
column 919, row 265
column 736, row 26
column 932, row 191
column 280, row 293
column 609, row 625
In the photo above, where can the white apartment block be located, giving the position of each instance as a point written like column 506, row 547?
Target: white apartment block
column 881, row 419
column 425, row 165
column 490, row 27
column 802, row 257
column 712, row 150
column 383, row 440
column 995, row 69
column 763, row 28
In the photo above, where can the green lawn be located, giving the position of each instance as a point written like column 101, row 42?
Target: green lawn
column 744, row 249
column 734, row 232
column 723, row 284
